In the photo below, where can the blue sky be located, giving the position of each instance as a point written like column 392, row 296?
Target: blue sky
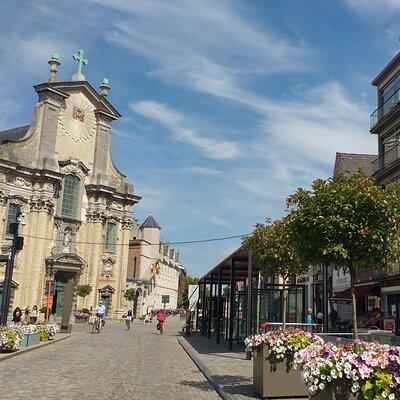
column 228, row 106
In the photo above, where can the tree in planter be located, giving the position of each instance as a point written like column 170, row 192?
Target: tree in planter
column 184, row 301
column 130, row 294
column 274, row 252
column 347, row 222
column 83, row 291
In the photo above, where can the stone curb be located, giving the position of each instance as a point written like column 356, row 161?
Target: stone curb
column 6, row 356
column 191, row 352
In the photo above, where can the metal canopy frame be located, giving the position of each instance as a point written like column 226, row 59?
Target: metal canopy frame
column 237, row 267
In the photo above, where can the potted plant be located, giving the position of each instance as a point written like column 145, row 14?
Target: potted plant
column 273, row 361
column 359, row 370
column 43, row 333
column 81, row 317
column 28, row 334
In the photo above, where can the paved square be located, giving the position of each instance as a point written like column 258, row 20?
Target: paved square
column 115, row 364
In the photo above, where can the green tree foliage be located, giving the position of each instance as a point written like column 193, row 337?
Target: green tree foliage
column 273, row 250
column 83, row 291
column 130, row 294
column 347, row 222
column 184, row 303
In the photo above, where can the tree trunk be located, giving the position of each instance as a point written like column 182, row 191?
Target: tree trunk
column 284, row 303
column 353, row 304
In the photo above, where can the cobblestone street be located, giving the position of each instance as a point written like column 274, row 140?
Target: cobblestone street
column 115, row 364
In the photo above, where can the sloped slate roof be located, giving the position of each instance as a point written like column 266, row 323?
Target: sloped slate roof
column 14, row 134
column 150, row 223
column 352, row 163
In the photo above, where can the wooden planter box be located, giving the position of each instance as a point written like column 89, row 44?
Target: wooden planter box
column 276, row 380
column 33, row 339
column 334, row 393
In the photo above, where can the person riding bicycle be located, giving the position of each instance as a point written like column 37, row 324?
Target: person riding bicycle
column 161, row 320
column 101, row 312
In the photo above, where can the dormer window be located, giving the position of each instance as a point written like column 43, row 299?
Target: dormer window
column 70, row 198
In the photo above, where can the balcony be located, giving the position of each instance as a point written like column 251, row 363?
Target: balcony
column 387, row 159
column 385, row 109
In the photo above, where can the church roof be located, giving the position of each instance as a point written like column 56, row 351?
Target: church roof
column 150, row 223
column 14, row 134
column 351, row 163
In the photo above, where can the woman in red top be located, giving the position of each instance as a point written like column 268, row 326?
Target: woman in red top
column 161, row 320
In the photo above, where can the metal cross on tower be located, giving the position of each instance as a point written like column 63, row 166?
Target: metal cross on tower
column 79, row 56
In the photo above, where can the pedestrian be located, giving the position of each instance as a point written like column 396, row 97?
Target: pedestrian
column 128, row 316
column 161, row 321
column 17, row 316
column 26, row 316
column 34, row 314
column 334, row 316
column 320, row 317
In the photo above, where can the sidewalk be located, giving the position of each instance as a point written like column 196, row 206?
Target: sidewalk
column 229, row 369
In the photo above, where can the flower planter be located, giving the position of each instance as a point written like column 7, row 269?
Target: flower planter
column 333, row 393
column 24, row 341
column 278, row 380
column 80, row 320
column 33, row 339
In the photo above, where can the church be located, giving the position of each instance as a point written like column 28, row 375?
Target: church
column 74, row 206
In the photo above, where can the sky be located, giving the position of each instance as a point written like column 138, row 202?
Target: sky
column 227, row 106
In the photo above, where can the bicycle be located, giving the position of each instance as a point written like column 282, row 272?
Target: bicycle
column 97, row 324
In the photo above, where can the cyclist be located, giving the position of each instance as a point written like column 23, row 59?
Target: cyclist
column 161, row 320
column 101, row 311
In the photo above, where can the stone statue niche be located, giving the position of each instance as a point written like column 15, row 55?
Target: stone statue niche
column 66, row 237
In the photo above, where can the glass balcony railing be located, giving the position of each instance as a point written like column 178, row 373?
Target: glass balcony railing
column 386, row 159
column 386, row 108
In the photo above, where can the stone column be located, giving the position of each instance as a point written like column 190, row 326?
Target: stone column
column 95, row 219
column 126, row 225
column 42, row 206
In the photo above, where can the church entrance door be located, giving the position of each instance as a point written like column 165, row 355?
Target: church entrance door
column 106, row 301
column 60, row 280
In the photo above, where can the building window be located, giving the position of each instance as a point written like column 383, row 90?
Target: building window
column 13, row 212
column 70, row 198
column 111, row 236
column 134, row 267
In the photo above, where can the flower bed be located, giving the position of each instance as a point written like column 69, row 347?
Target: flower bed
column 13, row 336
column 368, row 370
column 9, row 339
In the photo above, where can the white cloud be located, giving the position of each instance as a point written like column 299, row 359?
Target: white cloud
column 374, row 8
column 180, row 127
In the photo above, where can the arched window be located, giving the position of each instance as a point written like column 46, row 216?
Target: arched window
column 70, row 200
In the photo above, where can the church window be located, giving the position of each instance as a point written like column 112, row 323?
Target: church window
column 70, row 199
column 134, row 267
column 111, row 236
column 13, row 211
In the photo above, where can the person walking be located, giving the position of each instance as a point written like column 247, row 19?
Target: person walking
column 161, row 321
column 334, row 316
column 34, row 314
column 128, row 316
column 17, row 316
column 310, row 319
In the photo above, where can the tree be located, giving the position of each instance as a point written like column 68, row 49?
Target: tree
column 347, row 222
column 275, row 254
column 130, row 294
column 83, row 291
column 184, row 302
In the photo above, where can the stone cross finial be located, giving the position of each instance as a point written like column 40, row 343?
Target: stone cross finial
column 54, row 63
column 79, row 56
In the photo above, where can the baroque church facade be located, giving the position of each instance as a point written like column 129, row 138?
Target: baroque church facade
column 74, row 205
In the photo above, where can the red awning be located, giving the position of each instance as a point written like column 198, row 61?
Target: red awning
column 360, row 291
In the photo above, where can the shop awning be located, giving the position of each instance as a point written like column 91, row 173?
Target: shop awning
column 360, row 291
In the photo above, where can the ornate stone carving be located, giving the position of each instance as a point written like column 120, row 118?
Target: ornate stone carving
column 95, row 215
column 66, row 233
column 77, row 119
column 108, row 267
column 3, row 177
column 21, row 182
column 73, row 167
column 116, row 205
column 41, row 203
column 51, row 98
column 126, row 222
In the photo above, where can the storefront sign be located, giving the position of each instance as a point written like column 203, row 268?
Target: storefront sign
column 340, row 280
column 389, row 324
column 165, row 299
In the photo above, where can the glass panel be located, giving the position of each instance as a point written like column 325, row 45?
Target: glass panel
column 70, row 196
column 111, row 236
column 13, row 211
